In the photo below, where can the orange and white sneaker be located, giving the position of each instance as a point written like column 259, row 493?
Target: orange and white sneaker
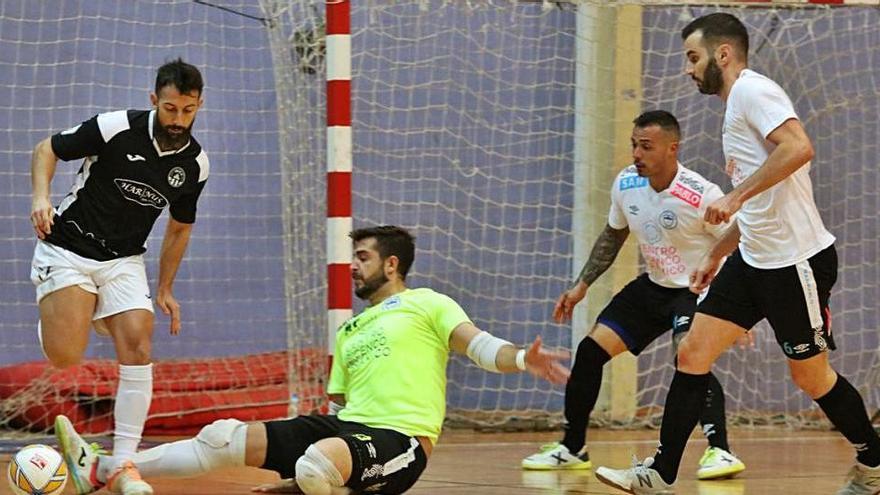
column 126, row 480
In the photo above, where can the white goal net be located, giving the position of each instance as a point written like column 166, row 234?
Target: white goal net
column 473, row 127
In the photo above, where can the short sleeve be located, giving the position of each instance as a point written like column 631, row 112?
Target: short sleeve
column 765, row 106
column 183, row 209
column 616, row 216
column 338, row 382
column 446, row 315
column 78, row 142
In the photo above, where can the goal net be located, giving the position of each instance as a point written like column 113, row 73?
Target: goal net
column 490, row 129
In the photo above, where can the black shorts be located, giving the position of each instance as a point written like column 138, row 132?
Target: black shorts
column 383, row 461
column 643, row 310
column 794, row 299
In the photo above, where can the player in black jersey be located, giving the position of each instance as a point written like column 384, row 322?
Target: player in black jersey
column 88, row 266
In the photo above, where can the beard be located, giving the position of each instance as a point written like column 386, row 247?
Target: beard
column 712, row 79
column 371, row 285
column 169, row 140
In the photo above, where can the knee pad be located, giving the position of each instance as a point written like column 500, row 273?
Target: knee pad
column 317, row 475
column 222, row 444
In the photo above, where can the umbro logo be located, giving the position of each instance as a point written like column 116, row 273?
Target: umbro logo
column 135, row 158
column 681, row 321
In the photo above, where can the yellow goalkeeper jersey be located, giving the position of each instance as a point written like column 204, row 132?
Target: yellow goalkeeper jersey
column 390, row 362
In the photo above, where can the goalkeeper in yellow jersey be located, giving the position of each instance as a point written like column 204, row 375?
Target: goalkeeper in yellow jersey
column 387, row 386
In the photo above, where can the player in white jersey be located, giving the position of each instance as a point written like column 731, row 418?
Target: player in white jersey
column 663, row 204
column 783, row 269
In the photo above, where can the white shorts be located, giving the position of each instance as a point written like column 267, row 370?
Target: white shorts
column 121, row 284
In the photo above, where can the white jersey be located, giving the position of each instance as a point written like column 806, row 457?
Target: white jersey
column 781, row 226
column 669, row 225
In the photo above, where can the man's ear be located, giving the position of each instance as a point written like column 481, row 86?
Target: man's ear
column 391, row 264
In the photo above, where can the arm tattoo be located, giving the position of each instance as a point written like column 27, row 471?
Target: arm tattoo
column 603, row 254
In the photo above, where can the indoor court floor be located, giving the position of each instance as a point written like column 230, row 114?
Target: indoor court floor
column 779, row 461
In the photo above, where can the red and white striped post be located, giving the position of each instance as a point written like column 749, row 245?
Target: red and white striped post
column 339, row 222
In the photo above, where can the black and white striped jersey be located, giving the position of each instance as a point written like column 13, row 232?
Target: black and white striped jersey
column 123, row 185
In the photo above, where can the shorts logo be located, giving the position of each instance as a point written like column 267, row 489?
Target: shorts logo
column 362, row 437
column 791, row 350
column 819, row 339
column 668, row 219
column 801, row 348
column 373, row 471
column 632, row 182
column 633, row 210
column 689, row 196
column 140, row 193
column 371, row 449
column 176, row 177
column 680, row 321
column 43, row 272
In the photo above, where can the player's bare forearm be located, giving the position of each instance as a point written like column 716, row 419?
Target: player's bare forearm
column 727, row 243
column 602, row 256
column 793, row 151
column 173, row 248
column 506, row 359
column 43, row 164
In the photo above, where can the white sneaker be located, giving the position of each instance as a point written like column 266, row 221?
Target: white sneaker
column 863, row 480
column 556, row 456
column 638, row 480
column 81, row 456
column 719, row 463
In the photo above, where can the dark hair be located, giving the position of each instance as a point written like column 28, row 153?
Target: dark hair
column 391, row 240
column 661, row 118
column 720, row 27
column 183, row 76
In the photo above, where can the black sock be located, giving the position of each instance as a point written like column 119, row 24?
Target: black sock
column 712, row 417
column 844, row 407
column 684, row 403
column 581, row 392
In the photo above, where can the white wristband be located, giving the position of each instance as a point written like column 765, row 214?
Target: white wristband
column 521, row 359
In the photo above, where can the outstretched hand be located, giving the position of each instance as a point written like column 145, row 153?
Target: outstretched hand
column 547, row 363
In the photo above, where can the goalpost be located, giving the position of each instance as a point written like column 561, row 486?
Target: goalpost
column 491, row 129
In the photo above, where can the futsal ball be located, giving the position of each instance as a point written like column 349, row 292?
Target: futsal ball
column 37, row 470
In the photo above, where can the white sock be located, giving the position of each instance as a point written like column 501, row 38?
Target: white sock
column 219, row 445
column 130, row 413
column 175, row 459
